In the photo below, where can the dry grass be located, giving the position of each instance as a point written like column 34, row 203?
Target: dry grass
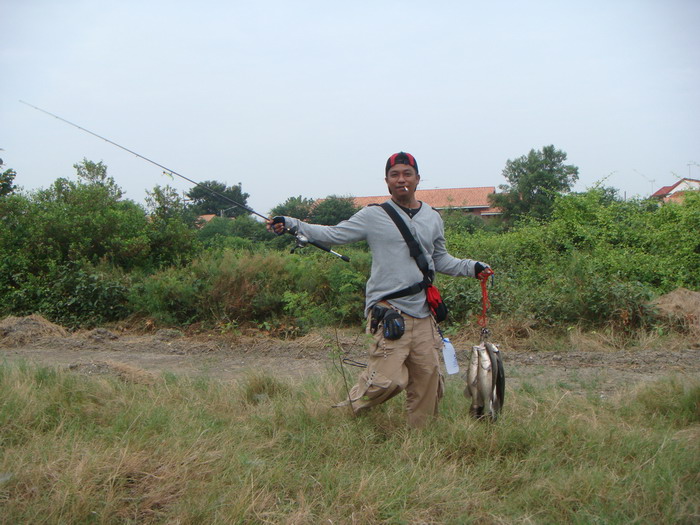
column 84, row 449
column 681, row 309
column 16, row 331
column 519, row 335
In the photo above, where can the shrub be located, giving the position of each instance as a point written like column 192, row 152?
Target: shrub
column 243, row 286
column 71, row 294
column 598, row 261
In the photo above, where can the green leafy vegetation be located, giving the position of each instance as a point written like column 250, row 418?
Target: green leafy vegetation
column 332, row 210
column 298, row 207
column 215, row 197
column 80, row 254
column 596, row 262
column 534, row 182
column 6, row 181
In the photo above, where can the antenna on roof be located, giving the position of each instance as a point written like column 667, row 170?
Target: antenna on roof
column 652, row 181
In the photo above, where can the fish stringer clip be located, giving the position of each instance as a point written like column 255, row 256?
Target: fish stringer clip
column 483, row 319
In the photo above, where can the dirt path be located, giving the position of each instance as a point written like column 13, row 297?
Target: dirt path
column 227, row 358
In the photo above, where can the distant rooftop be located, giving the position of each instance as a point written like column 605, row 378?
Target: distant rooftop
column 474, row 200
column 667, row 192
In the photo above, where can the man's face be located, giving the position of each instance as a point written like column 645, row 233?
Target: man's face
column 402, row 179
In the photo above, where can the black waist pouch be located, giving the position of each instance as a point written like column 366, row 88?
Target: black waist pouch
column 393, row 325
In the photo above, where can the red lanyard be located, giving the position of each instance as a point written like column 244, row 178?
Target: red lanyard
column 485, row 303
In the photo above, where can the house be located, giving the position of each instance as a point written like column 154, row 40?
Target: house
column 203, row 219
column 471, row 200
column 675, row 192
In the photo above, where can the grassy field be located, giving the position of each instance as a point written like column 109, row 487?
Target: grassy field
column 100, row 449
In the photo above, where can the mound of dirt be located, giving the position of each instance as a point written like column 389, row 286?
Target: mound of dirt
column 101, row 334
column 18, row 331
column 681, row 307
column 124, row 371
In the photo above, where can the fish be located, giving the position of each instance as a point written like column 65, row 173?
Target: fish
column 471, row 389
column 498, row 378
column 485, row 381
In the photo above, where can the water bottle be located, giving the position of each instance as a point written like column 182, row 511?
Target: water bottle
column 449, row 356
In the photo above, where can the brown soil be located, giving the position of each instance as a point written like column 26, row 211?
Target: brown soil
column 143, row 356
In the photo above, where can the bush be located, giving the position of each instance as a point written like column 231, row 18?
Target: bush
column 598, row 261
column 80, row 255
column 170, row 296
column 72, row 295
column 238, row 286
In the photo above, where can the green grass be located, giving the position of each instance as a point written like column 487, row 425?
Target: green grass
column 79, row 449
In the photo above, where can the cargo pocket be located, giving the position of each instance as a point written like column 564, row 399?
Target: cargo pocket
column 383, row 347
column 373, row 388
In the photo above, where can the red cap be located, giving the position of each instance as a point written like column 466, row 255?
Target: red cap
column 401, row 158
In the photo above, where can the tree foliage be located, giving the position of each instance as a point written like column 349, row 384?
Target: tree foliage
column 86, row 220
column 81, row 254
column 458, row 220
column 62, row 248
column 242, row 231
column 597, row 261
column 297, row 207
column 7, row 178
column 332, row 210
column 95, row 173
column 534, row 182
column 170, row 227
column 216, row 197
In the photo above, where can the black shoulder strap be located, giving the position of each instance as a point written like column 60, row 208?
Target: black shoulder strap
column 416, row 253
column 413, row 246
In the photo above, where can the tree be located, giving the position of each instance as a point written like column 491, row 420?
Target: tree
column 83, row 220
column 6, row 182
column 164, row 202
column 96, row 173
column 205, row 201
column 332, row 210
column 171, row 234
column 459, row 221
column 297, row 207
column 535, row 180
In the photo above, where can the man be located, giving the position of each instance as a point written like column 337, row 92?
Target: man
column 410, row 361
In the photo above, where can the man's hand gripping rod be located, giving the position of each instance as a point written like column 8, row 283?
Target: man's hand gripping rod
column 301, row 241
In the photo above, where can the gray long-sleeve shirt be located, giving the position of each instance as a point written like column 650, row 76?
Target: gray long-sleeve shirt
column 393, row 268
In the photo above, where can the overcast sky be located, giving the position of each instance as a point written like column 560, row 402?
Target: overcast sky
column 310, row 97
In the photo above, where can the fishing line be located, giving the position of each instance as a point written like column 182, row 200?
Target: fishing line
column 301, row 240
column 165, row 168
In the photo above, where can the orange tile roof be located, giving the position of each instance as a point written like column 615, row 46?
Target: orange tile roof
column 474, row 198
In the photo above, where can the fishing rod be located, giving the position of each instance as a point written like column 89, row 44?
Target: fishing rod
column 301, row 240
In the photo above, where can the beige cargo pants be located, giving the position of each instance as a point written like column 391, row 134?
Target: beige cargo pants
column 410, row 363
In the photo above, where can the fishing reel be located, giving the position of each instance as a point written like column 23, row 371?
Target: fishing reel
column 300, row 241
